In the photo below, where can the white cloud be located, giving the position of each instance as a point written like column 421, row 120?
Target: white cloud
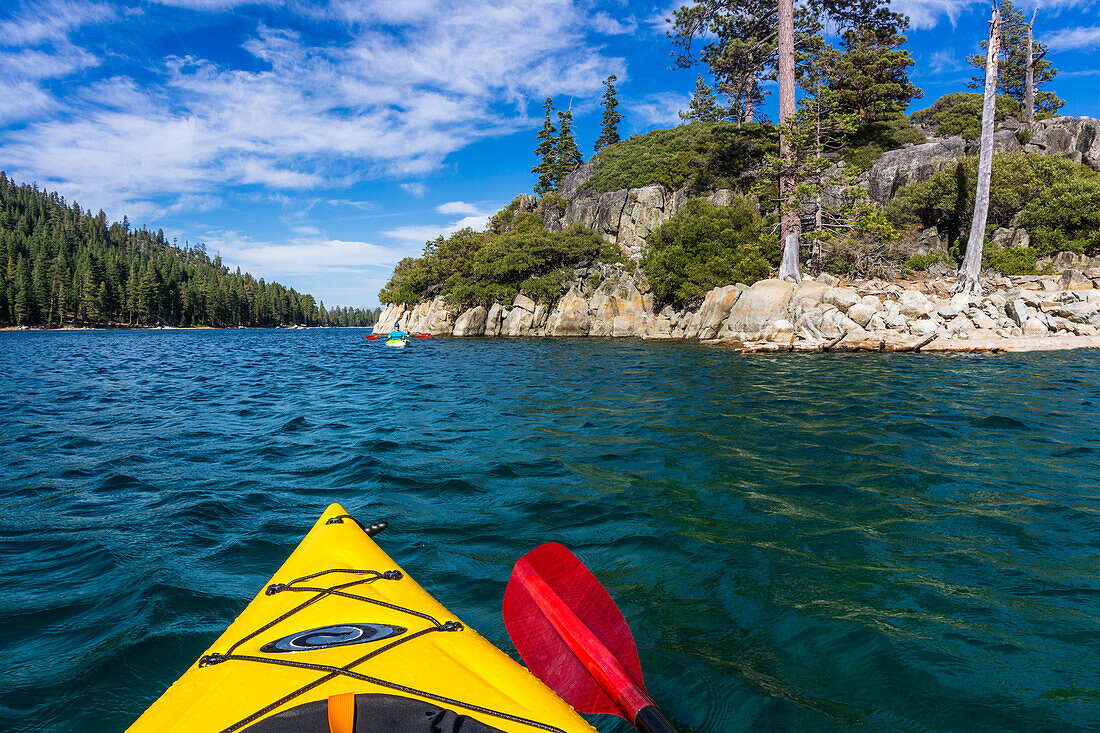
column 394, row 100
column 23, row 68
column 1070, row 39
column 214, row 5
column 416, row 189
column 303, row 256
column 927, row 13
column 421, row 233
column 603, row 23
column 661, row 109
column 51, row 21
column 22, row 100
column 459, row 207
column 659, row 21
column 943, row 61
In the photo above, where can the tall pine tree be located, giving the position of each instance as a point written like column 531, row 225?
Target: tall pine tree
column 609, row 128
column 869, row 77
column 545, row 151
column 567, row 156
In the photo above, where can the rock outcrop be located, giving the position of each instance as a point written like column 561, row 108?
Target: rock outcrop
column 1077, row 138
column 470, row 323
column 757, row 308
column 912, row 164
column 628, row 216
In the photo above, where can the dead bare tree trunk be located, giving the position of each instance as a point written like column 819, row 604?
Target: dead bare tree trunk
column 1030, row 99
column 819, row 217
column 788, row 265
column 969, row 277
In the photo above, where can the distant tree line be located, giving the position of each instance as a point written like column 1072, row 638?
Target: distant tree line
column 62, row 266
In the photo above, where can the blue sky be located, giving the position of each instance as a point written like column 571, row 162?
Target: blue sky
column 318, row 143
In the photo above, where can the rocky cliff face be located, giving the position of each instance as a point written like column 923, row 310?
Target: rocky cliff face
column 1077, row 138
column 625, row 217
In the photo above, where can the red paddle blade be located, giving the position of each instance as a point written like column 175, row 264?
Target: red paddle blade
column 571, row 634
column 373, row 337
column 423, row 335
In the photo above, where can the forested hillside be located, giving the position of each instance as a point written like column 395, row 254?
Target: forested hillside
column 65, row 266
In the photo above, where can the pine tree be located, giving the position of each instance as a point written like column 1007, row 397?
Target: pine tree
column 546, row 168
column 567, row 156
column 1012, row 67
column 609, row 129
column 704, row 107
column 869, row 78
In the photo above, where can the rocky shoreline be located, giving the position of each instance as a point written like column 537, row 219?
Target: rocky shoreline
column 1018, row 313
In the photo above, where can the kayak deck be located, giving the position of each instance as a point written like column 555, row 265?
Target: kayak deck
column 341, row 621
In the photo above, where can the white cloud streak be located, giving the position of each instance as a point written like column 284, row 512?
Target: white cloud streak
column 472, row 216
column 51, row 21
column 925, row 14
column 661, row 109
column 1074, row 39
column 604, row 23
column 459, row 207
column 305, row 255
column 943, row 61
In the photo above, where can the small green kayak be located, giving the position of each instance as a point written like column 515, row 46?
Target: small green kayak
column 397, row 343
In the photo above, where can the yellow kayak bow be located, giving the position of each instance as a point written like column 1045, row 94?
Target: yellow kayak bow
column 343, row 640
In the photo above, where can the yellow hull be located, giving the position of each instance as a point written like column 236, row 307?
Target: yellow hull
column 413, row 652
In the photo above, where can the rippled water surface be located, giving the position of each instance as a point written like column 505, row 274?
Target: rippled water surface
column 810, row 543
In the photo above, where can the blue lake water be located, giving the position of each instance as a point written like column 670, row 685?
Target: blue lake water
column 799, row 542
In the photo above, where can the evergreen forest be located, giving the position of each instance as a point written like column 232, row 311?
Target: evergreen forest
column 64, row 266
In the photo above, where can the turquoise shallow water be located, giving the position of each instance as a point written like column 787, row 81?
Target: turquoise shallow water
column 802, row 543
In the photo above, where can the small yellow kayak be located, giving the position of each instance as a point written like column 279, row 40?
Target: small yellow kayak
column 343, row 640
column 397, row 343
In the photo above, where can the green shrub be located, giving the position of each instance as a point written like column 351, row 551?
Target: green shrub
column 1012, row 261
column 961, row 114
column 701, row 155
column 866, row 245
column 1055, row 199
column 1023, row 136
column 703, row 247
column 917, row 263
column 470, row 268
